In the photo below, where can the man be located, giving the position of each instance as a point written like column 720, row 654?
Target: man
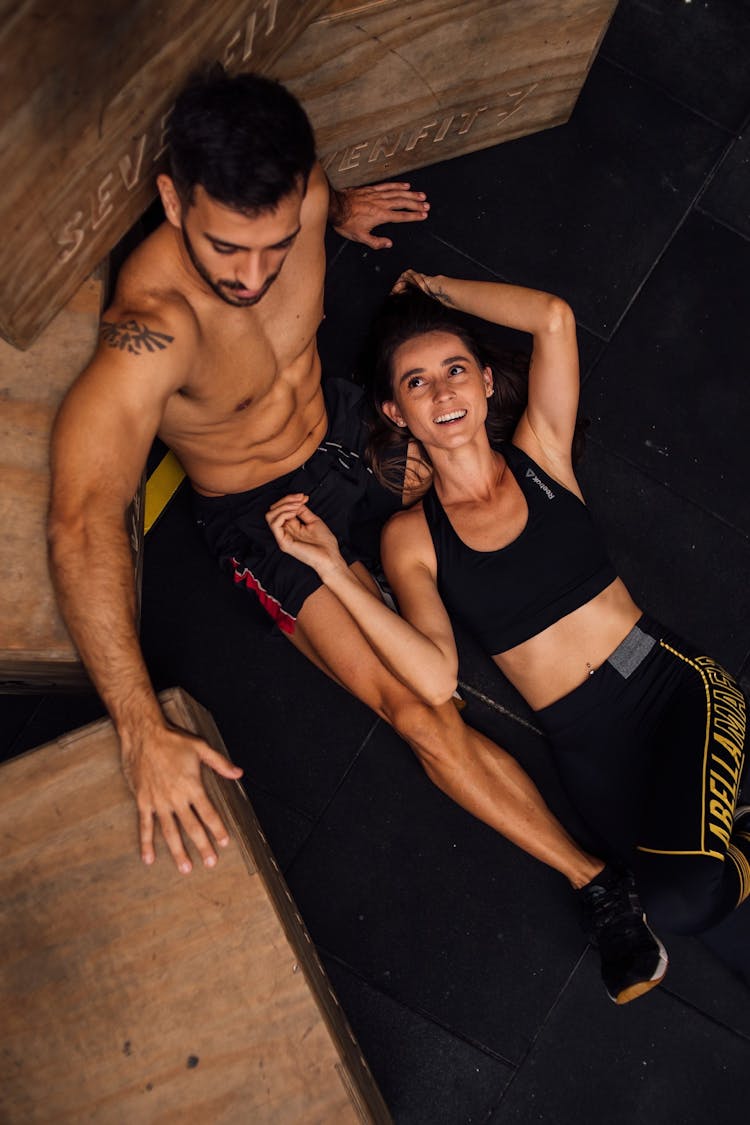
column 210, row 343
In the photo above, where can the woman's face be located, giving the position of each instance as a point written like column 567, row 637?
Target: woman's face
column 439, row 390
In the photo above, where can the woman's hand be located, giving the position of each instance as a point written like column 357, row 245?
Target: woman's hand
column 301, row 534
column 433, row 286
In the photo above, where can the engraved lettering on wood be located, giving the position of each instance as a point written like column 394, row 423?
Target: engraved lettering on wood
column 129, row 170
column 391, row 85
column 387, row 145
column 84, row 135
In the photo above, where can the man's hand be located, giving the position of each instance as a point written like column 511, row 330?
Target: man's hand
column 353, row 212
column 164, row 774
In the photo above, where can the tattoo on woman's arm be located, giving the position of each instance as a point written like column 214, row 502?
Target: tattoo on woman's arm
column 133, row 336
column 440, row 295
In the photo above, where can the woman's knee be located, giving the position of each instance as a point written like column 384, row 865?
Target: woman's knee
column 432, row 732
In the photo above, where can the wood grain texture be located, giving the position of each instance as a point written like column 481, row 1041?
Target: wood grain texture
column 83, row 102
column 36, row 651
column 137, row 994
column 391, row 85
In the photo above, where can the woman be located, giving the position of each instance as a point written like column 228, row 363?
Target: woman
column 648, row 734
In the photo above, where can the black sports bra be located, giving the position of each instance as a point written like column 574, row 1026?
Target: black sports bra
column 556, row 564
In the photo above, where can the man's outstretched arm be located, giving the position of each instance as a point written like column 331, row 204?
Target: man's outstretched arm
column 100, row 442
column 354, row 212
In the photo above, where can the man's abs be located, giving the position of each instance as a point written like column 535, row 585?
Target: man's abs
column 243, row 432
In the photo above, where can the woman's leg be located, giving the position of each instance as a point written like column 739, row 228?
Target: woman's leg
column 693, row 860
column 477, row 774
column 490, row 784
column 651, row 757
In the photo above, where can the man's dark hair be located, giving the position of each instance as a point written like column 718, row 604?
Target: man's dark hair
column 245, row 139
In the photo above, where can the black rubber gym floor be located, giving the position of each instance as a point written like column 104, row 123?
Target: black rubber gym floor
column 459, row 960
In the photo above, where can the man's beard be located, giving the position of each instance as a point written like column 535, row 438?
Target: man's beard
column 223, row 288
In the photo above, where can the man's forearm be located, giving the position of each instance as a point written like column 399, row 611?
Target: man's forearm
column 92, row 571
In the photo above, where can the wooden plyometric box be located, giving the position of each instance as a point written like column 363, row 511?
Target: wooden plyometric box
column 36, row 652
column 392, row 85
column 133, row 994
column 85, row 95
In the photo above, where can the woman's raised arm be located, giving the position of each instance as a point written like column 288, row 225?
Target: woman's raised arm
column 550, row 417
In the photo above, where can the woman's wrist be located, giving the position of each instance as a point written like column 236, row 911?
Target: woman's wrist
column 438, row 286
column 333, row 572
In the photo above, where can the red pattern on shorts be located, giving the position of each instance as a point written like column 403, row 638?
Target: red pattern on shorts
column 271, row 605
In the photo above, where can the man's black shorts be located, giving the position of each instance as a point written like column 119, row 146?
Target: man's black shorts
column 342, row 491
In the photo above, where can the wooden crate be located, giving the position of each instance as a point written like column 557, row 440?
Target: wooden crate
column 133, row 994
column 85, row 94
column 392, row 85
column 36, row 652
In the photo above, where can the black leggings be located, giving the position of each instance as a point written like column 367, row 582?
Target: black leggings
column 650, row 749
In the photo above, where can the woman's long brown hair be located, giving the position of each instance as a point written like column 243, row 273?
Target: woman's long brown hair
column 403, row 317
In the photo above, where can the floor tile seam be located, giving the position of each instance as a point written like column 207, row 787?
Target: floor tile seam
column 653, row 85
column 601, row 338
column 462, row 253
column 584, row 378
column 18, row 738
column 316, row 820
column 692, row 205
column 690, row 209
column 268, row 791
column 740, row 532
column 702, row 210
column 712, row 1019
column 418, row 1010
column 542, row 1027
column 711, row 176
column 509, row 281
column 331, row 262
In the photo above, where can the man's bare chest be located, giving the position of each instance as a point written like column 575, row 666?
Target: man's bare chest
column 235, row 370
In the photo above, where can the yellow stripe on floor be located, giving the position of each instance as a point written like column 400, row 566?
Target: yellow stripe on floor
column 161, row 487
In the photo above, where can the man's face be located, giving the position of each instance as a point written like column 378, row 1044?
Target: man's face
column 239, row 256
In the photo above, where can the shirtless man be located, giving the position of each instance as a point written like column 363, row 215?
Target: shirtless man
column 210, row 343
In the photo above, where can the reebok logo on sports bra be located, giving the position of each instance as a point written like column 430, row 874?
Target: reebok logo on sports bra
column 545, row 489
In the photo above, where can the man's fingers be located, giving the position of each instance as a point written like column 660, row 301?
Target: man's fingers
column 193, row 825
column 374, row 242
column 390, row 186
column 406, row 216
column 218, row 762
column 393, row 202
column 393, row 191
column 213, row 822
column 146, row 834
column 174, row 841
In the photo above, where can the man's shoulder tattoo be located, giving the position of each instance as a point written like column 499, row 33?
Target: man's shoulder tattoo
column 133, row 336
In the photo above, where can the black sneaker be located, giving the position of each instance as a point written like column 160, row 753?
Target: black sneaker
column 633, row 960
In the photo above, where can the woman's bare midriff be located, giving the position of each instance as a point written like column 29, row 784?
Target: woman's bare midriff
column 559, row 659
